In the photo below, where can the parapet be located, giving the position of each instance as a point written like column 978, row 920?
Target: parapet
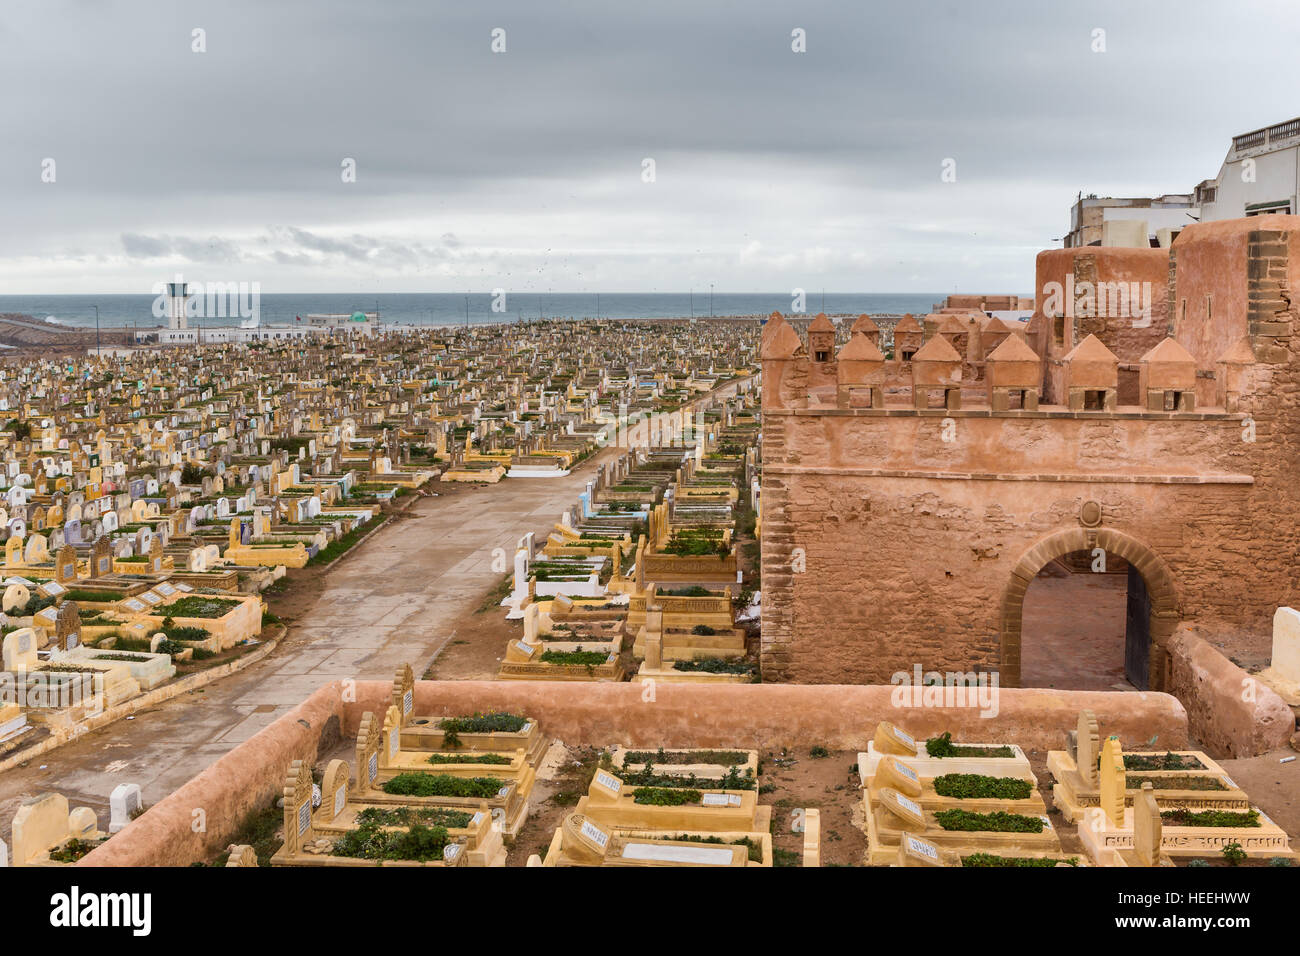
column 863, row 379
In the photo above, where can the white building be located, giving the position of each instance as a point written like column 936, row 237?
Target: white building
column 1261, row 175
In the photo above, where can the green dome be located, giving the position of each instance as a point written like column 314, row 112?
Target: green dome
column 358, row 317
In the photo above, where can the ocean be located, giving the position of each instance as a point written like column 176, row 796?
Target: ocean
column 118, row 311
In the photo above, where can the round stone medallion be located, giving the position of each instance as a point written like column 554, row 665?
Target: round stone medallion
column 1090, row 514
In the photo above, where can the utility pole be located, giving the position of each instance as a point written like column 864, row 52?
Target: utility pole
column 710, row 300
column 97, row 352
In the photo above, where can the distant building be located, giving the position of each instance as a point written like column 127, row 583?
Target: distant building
column 363, row 323
column 1134, row 223
column 1259, row 176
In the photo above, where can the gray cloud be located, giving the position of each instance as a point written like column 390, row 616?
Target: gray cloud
column 774, row 169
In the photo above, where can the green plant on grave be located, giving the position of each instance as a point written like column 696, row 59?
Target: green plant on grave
column 819, row 751
column 974, row 786
column 1233, row 854
column 942, row 746
column 665, row 797
column 999, row 821
column 1182, row 817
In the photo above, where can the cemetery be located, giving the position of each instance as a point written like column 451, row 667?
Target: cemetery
column 147, row 520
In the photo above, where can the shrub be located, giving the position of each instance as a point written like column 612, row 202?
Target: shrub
column 442, row 785
column 665, row 797
column 974, row 786
column 371, row 843
column 578, row 657
column 992, row 859
column 942, row 746
column 496, row 722
column 999, row 821
column 1183, row 817
column 405, row 816
column 1234, row 854
column 469, row 758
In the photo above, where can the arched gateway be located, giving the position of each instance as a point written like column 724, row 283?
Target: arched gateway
column 1151, row 630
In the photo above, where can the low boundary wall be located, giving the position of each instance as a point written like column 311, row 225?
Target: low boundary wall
column 204, row 816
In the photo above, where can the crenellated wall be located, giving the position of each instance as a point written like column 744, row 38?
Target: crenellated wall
column 894, row 536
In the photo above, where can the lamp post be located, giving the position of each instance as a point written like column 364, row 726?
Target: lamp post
column 97, row 353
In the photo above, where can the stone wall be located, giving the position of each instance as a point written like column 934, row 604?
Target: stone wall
column 885, row 546
column 1129, row 340
column 893, row 537
column 1230, row 713
column 757, row 716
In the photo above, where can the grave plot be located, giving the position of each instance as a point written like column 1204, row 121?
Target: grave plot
column 692, row 798
column 45, row 833
column 60, row 688
column 539, row 657
column 495, row 732
column 942, row 756
column 1188, row 779
column 728, row 804
column 579, row 841
column 712, row 663
column 386, row 776
column 973, row 801
column 315, row 838
column 686, row 554
column 1119, row 824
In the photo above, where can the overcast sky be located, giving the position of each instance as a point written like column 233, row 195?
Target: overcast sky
column 524, row 169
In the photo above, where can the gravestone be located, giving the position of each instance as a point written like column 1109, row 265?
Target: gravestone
column 1112, row 781
column 404, row 693
column 1087, row 748
column 368, row 745
column 67, row 627
column 1147, row 827
column 123, row 802
column 16, row 597
column 297, row 807
column 334, row 790
column 101, row 558
column 19, row 650
column 65, row 564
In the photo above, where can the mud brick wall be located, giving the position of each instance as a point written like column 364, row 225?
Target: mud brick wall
column 884, row 546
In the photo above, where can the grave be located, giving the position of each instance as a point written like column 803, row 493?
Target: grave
column 1187, row 779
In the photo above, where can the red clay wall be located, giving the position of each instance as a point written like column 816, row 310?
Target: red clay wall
column 885, row 546
column 1229, row 712
column 1129, row 342
column 759, row 716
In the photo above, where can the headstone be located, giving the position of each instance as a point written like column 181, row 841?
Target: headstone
column 891, row 740
column 1147, row 827
column 67, row 627
column 19, row 650
column 1286, row 645
column 123, row 802
column 1087, row 748
column 65, row 564
column 1112, row 781
column 16, row 597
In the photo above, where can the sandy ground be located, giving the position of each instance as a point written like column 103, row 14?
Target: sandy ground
column 1073, row 632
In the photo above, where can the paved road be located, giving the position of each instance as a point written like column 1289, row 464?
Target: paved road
column 396, row 597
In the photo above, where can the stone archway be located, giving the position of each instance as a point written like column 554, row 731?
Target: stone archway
column 1165, row 613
